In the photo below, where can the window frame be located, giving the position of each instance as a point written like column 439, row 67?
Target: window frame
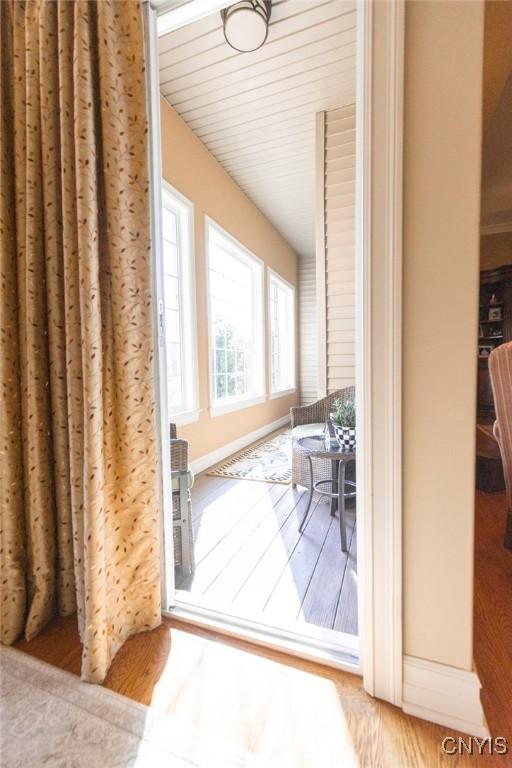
column 275, row 393
column 241, row 252
column 183, row 208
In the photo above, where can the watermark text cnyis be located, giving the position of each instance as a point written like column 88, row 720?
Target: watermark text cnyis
column 474, row 745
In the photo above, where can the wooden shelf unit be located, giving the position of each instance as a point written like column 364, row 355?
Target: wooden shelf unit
column 497, row 282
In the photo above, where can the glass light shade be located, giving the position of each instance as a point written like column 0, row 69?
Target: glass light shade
column 246, row 24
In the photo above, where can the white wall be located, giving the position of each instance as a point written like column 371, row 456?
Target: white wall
column 308, row 334
column 339, row 197
column 443, row 80
column 189, row 167
column 335, row 247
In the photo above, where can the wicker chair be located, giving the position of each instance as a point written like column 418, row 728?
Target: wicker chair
column 182, row 480
column 313, row 414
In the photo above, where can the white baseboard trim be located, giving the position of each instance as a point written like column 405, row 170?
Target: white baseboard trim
column 210, row 459
column 443, row 695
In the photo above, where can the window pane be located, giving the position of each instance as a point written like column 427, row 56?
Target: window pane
column 230, row 336
column 281, row 318
column 173, row 359
column 220, row 360
column 169, row 225
column 220, row 337
column 178, row 280
column 220, row 386
column 172, row 325
column 231, row 361
column 174, row 393
column 232, row 385
column 235, row 303
column 170, row 259
column 172, row 293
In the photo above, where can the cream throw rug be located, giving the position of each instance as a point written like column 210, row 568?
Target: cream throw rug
column 51, row 718
column 269, row 461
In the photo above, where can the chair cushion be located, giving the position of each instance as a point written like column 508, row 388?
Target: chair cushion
column 305, row 430
column 190, row 480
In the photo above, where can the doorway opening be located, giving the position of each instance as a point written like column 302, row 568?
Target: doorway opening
column 258, row 274
column 493, row 503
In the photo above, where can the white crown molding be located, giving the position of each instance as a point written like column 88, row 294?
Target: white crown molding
column 210, row 459
column 176, row 14
column 443, row 695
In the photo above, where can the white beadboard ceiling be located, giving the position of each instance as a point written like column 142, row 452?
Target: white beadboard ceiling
column 256, row 111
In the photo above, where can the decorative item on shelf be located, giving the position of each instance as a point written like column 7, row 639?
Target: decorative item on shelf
column 495, row 320
column 495, row 313
column 330, row 434
column 481, row 331
column 343, row 418
column 484, row 350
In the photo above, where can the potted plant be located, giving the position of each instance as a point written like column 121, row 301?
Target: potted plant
column 343, row 418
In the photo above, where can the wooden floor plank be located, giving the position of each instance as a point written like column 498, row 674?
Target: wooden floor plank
column 314, row 716
column 252, row 550
column 221, row 515
column 213, row 489
column 220, row 552
column 287, row 712
column 288, row 594
column 346, row 611
column 257, row 588
column 493, row 612
column 206, row 486
column 251, row 557
column 322, row 595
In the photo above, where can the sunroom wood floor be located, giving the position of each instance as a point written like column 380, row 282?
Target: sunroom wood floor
column 252, row 561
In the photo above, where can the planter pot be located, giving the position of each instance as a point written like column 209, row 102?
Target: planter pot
column 346, row 437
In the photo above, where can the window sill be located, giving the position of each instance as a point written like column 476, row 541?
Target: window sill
column 282, row 393
column 188, row 417
column 236, row 405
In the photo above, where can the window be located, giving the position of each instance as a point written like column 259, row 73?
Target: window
column 235, row 299
column 281, row 308
column 179, row 300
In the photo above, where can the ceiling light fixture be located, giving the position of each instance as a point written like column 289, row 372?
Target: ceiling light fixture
column 245, row 24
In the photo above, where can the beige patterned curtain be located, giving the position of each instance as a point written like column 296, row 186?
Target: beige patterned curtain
column 78, row 488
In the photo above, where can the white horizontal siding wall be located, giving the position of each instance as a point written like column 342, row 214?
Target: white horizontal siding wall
column 308, row 336
column 255, row 112
column 339, row 200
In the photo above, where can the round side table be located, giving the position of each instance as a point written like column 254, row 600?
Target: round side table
column 317, row 447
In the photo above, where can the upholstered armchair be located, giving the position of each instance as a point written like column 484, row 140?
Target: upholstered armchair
column 310, row 420
column 182, row 479
column 500, row 368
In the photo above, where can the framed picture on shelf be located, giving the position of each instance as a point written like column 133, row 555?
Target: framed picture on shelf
column 495, row 313
column 484, row 350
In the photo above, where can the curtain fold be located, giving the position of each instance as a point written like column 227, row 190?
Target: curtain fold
column 78, row 475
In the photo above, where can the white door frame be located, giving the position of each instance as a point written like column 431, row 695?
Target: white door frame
column 379, row 132
column 379, row 121
column 162, row 417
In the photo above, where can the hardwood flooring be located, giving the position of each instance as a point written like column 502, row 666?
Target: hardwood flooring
column 252, row 561
column 298, row 714
column 493, row 613
column 287, row 712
